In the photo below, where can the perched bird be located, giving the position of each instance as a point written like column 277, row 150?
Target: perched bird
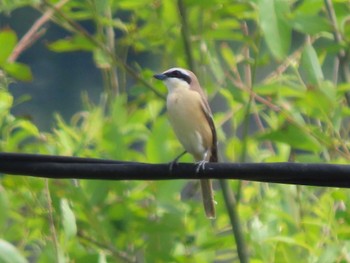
column 191, row 118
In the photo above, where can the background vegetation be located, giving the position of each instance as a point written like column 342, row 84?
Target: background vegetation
column 277, row 75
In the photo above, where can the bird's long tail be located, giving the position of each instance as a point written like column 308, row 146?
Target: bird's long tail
column 208, row 198
column 207, row 189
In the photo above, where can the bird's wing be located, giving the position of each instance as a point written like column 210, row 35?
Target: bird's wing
column 209, row 117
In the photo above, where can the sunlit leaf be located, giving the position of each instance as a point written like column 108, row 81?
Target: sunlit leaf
column 228, row 55
column 28, row 126
column 345, row 27
column 4, row 207
column 75, row 43
column 224, row 34
column 318, row 103
column 125, row 4
column 277, row 33
column 294, row 136
column 280, row 89
column 18, row 71
column 227, row 24
column 102, row 59
column 310, row 7
column 8, row 40
column 118, row 23
column 68, row 219
column 9, row 5
column 101, row 7
column 9, row 253
column 102, row 258
column 310, row 24
column 311, row 65
column 6, row 100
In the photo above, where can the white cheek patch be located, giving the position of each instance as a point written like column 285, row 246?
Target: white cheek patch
column 175, row 83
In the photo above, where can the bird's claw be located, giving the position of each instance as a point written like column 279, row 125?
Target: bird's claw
column 200, row 165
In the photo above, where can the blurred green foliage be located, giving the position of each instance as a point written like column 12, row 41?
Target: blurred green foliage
column 277, row 75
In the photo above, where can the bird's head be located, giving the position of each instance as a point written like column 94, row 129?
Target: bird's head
column 175, row 78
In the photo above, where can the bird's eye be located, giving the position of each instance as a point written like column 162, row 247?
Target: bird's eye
column 177, row 74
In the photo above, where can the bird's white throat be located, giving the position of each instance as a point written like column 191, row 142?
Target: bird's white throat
column 174, row 84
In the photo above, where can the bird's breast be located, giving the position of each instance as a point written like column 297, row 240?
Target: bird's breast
column 188, row 121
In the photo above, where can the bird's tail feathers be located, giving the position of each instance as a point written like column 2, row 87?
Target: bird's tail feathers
column 208, row 198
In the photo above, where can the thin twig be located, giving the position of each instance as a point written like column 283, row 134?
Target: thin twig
column 34, row 33
column 186, row 36
column 117, row 254
column 261, row 127
column 285, row 64
column 246, row 53
column 110, row 41
column 248, row 85
column 51, row 220
column 343, row 56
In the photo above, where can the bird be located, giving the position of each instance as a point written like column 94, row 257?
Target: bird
column 191, row 118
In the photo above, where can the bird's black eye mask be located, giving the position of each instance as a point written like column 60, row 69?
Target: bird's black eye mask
column 179, row 75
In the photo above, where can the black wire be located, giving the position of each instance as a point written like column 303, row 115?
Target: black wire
column 24, row 157
column 61, row 167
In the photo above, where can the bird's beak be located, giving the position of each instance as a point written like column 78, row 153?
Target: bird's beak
column 160, row 76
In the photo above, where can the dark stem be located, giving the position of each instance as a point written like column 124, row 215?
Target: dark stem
column 231, row 207
column 186, row 35
column 343, row 55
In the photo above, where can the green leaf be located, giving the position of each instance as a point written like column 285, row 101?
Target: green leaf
column 102, row 59
column 223, row 34
column 8, row 41
column 68, row 219
column 4, row 207
column 28, row 126
column 9, row 253
column 102, row 258
column 132, row 5
column 310, row 24
column 311, row 65
column 310, row 7
column 101, row 7
column 18, row 71
column 227, row 24
column 228, row 55
column 277, row 32
column 294, row 136
column 319, row 102
column 75, row 43
column 345, row 28
column 330, row 254
column 6, row 101
column 97, row 191
column 280, row 89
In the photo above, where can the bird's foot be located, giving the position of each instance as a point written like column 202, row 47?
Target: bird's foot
column 201, row 165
